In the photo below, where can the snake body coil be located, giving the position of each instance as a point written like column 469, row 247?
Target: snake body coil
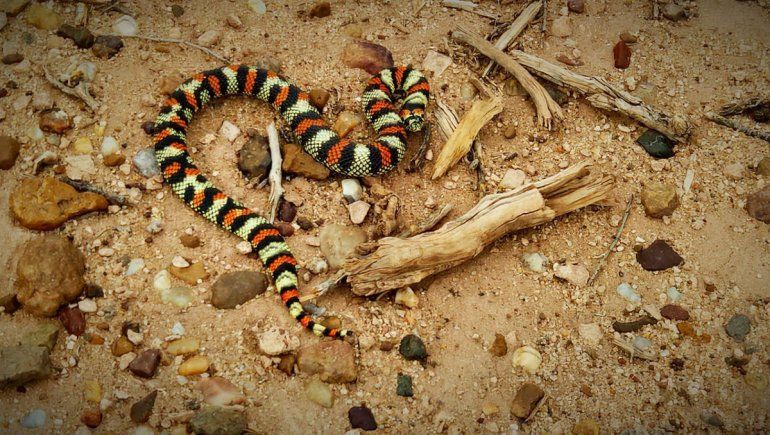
column 340, row 155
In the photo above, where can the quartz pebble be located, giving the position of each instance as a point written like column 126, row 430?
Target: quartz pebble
column 627, row 292
column 358, row 211
column 145, row 162
column 574, row 273
column 351, row 190
column 512, row 179
column 229, row 131
column 337, row 242
column 220, row 392
column 319, row 393
column 345, row 123
column 195, row 365
column 277, row 341
column 34, row 419
column 528, row 358
column 406, row 297
column 125, row 26
column 535, row 261
column 183, row 346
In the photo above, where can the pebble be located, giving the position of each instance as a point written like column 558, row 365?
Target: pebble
column 404, row 385
column 320, row 9
column 659, row 199
column 46, row 203
column 82, row 145
column 586, row 427
column 317, row 266
column 734, row 171
column 590, row 332
column 276, row 341
column 763, row 167
column 180, row 297
column 561, row 27
column 758, row 205
column 535, row 261
column 9, row 152
column 229, row 131
column 258, row 6
column 10, row 59
column 23, row 364
column 162, row 280
column 673, row 294
column 44, row 335
column 287, row 362
column 674, row 12
column 656, row 144
column 145, row 364
column 34, row 419
column 42, row 17
column 190, row 241
column 134, row 266
column 121, row 346
column 334, row 361
column 436, row 63
column 361, row 417
column 190, row 274
column 195, row 365
column 337, row 242
column 125, row 26
column 467, row 91
column 81, row 36
column 180, row 262
column 627, row 292
column 218, row 420
column 358, row 211
column 512, row 179
column 510, row 131
column 622, row 55
column 13, row 7
column 658, row 256
column 319, row 393
column 526, row 399
column 351, row 190
column 141, row 410
column 91, row 418
column 177, row 11
column 574, row 273
column 528, row 358
column 674, row 312
column 412, row 348
column 49, row 273
column 407, row 297
column 628, row 37
column 92, row 391
column 134, row 337
column 42, row 101
column 346, row 122
column 87, row 306
column 145, row 162
column 367, row 56
column 287, row 211
column 319, row 97
column 297, row 161
column 55, row 121
column 109, row 146
column 210, row 38
column 236, row 288
column 576, row 6
column 73, row 320
column 79, row 167
column 183, row 346
column 234, row 21
column 254, row 158
column 738, row 327
column 633, row 326
column 220, row 392
column 499, row 346
column 107, row 46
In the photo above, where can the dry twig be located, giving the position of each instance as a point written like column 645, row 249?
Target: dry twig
column 419, row 156
column 276, row 189
column 428, row 223
column 469, row 7
column 743, row 106
column 179, row 41
column 737, row 126
column 80, row 91
column 82, row 186
column 606, row 254
column 519, row 24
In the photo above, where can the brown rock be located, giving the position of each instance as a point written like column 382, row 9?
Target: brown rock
column 73, row 320
column 585, row 427
column 141, row 410
column 49, row 273
column 287, row 363
column 510, row 131
column 628, row 37
column 499, row 346
column 189, row 241
column 758, row 205
column 236, row 288
column 576, row 6
column 658, row 256
column 297, row 161
column 526, row 400
column 91, row 418
column 146, row 363
column 287, row 211
column 190, row 274
column 622, row 55
column 55, row 121
column 286, row 229
column 763, row 167
column 320, row 10
column 220, row 392
column 319, row 98
column 659, row 199
column 122, row 346
column 367, row 56
column 46, row 203
column 114, row 160
column 334, row 361
column 9, row 151
column 254, row 158
column 674, row 312
column 169, row 83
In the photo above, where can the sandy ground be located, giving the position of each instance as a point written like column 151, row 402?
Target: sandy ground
column 688, row 67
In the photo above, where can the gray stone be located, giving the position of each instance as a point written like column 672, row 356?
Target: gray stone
column 334, row 361
column 22, row 364
column 44, row 335
column 412, row 348
column 145, row 162
column 254, row 158
column 338, row 242
column 738, row 327
column 235, row 288
column 215, row 420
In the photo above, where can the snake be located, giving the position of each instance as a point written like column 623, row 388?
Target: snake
column 341, row 155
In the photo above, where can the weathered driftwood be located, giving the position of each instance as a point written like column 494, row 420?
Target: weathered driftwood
column 446, row 119
column 603, row 95
column 517, row 26
column 276, row 188
column 395, row 262
column 736, row 108
column 547, row 109
column 461, row 139
column 737, row 126
column 469, row 7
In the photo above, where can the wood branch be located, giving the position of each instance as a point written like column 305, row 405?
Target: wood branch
column 603, row 258
column 80, row 91
column 469, row 7
column 603, row 95
column 519, row 24
column 547, row 109
column 82, row 186
column 737, row 126
column 419, row 156
column 276, row 189
column 459, row 143
column 398, row 262
column 446, row 119
column 739, row 107
column 178, row 41
column 429, row 223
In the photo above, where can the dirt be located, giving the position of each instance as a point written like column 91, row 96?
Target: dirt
column 689, row 67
